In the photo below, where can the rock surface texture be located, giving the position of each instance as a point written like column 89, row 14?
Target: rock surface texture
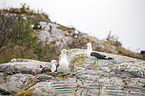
column 122, row 76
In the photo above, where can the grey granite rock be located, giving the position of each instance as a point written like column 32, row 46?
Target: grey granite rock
column 122, row 76
column 25, row 66
column 15, row 83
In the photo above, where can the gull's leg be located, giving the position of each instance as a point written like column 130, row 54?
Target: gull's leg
column 64, row 77
column 95, row 63
column 61, row 76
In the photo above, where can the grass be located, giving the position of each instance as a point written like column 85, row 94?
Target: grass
column 25, row 10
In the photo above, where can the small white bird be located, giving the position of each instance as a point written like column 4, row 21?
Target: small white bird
column 53, row 65
column 63, row 63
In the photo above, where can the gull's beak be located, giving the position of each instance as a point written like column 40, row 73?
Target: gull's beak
column 66, row 51
column 85, row 44
column 57, row 61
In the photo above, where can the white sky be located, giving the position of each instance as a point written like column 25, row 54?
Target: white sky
column 125, row 18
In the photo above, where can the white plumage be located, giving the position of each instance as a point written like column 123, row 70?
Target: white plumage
column 53, row 65
column 89, row 50
column 63, row 63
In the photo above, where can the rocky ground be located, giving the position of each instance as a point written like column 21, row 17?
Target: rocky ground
column 123, row 76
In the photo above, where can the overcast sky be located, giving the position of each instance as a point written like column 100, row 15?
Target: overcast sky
column 125, row 18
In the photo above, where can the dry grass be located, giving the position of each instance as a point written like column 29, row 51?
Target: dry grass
column 26, row 11
column 70, row 30
column 15, row 51
column 120, row 49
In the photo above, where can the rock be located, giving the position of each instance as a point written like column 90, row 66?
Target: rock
column 43, row 23
column 39, row 89
column 25, row 66
column 5, row 92
column 121, row 76
column 43, row 77
column 45, row 69
column 15, row 83
column 57, row 36
column 44, row 35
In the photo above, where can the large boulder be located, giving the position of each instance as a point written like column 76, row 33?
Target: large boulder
column 121, row 76
column 12, row 84
column 25, row 66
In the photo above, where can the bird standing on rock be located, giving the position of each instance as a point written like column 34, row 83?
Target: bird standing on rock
column 92, row 54
column 53, row 65
column 63, row 63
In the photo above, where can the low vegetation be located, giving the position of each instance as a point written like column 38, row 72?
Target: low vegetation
column 113, row 40
column 25, row 10
column 16, row 40
column 19, row 40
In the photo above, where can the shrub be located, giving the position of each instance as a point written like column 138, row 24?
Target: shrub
column 113, row 39
column 17, row 40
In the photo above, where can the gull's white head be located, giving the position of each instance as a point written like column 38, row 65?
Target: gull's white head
column 53, row 61
column 64, row 51
column 53, row 66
